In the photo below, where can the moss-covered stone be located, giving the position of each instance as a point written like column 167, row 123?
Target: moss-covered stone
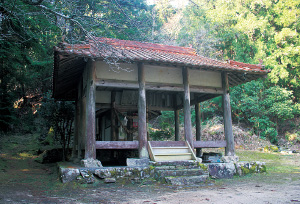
column 271, row 148
column 202, row 166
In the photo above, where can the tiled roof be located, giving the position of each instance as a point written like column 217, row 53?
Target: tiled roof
column 149, row 52
column 70, row 60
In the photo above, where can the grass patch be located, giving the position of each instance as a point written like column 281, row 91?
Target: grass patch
column 275, row 162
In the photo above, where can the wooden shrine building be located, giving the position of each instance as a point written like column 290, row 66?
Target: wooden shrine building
column 118, row 85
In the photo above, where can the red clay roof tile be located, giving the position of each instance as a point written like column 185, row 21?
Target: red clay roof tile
column 139, row 51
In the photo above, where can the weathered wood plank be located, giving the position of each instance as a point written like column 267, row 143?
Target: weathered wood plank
column 135, row 144
column 167, row 143
column 198, row 127
column 210, row 144
column 186, row 107
column 155, row 87
column 142, row 124
column 117, row 145
column 229, row 150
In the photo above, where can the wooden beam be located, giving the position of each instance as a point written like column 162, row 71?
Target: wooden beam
column 116, row 84
column 155, row 87
column 198, row 127
column 117, row 145
column 229, row 150
column 202, row 98
column 142, row 124
column 210, row 144
column 177, row 125
column 187, row 108
column 167, row 143
column 90, row 150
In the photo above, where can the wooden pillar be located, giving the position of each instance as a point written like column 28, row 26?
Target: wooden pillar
column 176, row 115
column 142, row 124
column 113, row 131
column 90, row 149
column 81, row 122
column 76, row 130
column 187, row 107
column 229, row 150
column 198, row 127
column 129, row 126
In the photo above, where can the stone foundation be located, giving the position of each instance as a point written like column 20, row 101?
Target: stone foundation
column 175, row 173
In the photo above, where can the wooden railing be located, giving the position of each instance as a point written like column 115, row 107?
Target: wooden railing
column 135, row 144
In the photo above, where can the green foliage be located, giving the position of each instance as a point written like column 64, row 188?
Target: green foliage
column 248, row 31
column 59, row 116
column 263, row 108
column 165, row 133
column 30, row 30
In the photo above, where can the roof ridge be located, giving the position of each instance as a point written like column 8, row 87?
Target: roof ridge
column 146, row 45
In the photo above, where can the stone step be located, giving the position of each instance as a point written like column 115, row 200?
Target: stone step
column 186, row 180
column 173, row 156
column 186, row 163
column 162, row 173
column 171, row 153
column 170, row 150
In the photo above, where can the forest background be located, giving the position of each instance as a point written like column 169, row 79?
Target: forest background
column 250, row 31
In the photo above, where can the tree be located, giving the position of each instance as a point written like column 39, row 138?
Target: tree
column 59, row 116
column 263, row 108
column 29, row 30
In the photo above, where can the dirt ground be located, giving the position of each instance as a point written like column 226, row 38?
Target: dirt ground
column 22, row 180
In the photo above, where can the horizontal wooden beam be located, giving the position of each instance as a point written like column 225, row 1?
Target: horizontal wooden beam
column 167, row 143
column 117, row 144
column 164, row 87
column 116, row 84
column 210, row 144
column 134, row 144
column 155, row 87
column 194, row 89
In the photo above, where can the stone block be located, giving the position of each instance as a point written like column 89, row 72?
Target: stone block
column 230, row 159
column 68, row 174
column 221, row 170
column 103, row 173
column 91, row 163
column 244, row 168
column 87, row 176
column 109, row 180
column 137, row 162
column 186, row 180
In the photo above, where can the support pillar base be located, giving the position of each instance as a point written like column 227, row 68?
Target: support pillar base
column 91, row 163
column 230, row 159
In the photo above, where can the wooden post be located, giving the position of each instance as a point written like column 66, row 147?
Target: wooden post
column 129, row 126
column 176, row 115
column 142, row 124
column 198, row 127
column 113, row 117
column 90, row 149
column 187, row 108
column 76, row 130
column 81, row 122
column 229, row 150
